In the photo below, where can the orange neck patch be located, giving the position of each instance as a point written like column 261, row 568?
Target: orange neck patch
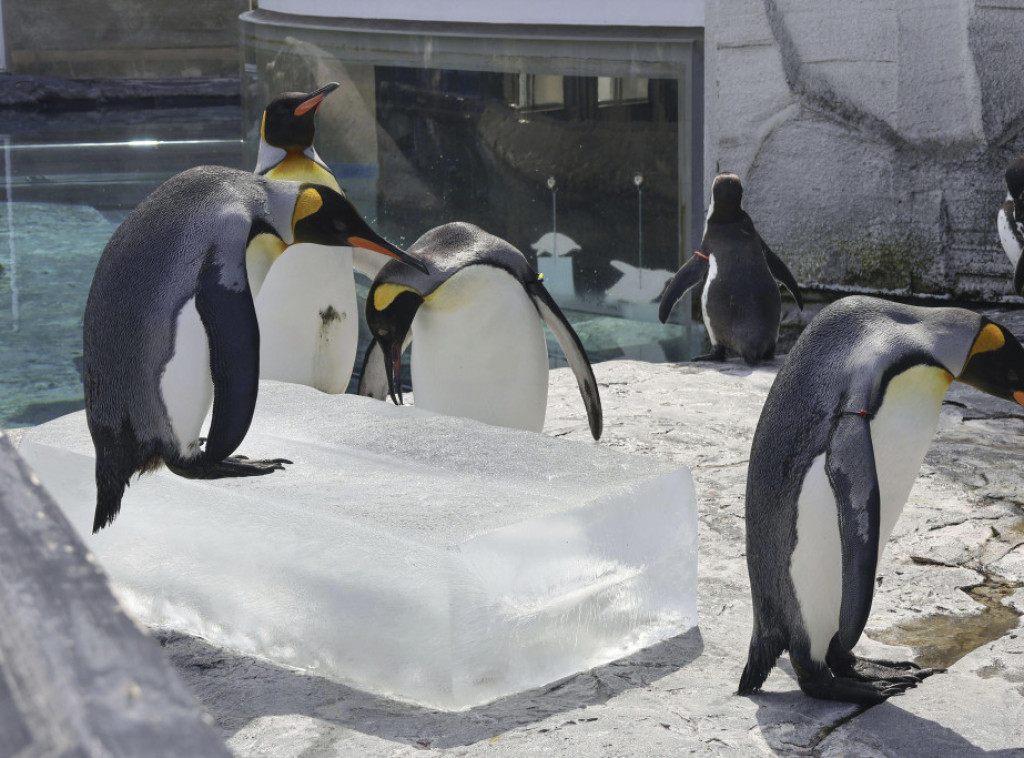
column 990, row 338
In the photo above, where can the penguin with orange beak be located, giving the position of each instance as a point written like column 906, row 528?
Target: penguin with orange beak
column 305, row 296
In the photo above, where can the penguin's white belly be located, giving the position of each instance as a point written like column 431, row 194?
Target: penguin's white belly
column 712, row 273
column 308, row 321
column 186, row 385
column 478, row 351
column 1011, row 245
column 901, row 433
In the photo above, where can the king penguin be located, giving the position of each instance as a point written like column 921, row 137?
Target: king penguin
column 478, row 349
column 838, row 446
column 737, row 271
column 170, row 324
column 305, row 297
column 1010, row 221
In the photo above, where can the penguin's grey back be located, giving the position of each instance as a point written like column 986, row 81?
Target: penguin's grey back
column 451, row 247
column 850, row 351
column 743, row 301
column 147, row 272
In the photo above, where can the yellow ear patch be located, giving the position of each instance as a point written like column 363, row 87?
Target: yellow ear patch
column 309, row 202
column 990, row 338
column 386, row 293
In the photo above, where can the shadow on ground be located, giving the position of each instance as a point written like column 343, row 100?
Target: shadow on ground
column 236, row 689
column 793, row 724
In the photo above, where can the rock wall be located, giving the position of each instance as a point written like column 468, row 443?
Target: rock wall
column 871, row 135
column 82, row 39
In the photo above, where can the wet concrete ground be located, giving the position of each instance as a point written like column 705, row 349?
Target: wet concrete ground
column 948, row 591
column 959, row 542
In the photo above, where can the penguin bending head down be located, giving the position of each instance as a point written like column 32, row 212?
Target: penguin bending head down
column 838, row 446
column 1010, row 221
column 478, row 349
column 170, row 324
column 737, row 271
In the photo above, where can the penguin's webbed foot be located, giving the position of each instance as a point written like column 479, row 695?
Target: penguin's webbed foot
column 850, row 690
column 233, row 466
column 717, row 354
column 869, row 670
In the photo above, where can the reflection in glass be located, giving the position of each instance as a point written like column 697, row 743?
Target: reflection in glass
column 535, row 140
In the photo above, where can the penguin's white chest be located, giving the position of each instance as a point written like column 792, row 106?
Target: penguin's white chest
column 1008, row 236
column 186, row 385
column 901, row 433
column 478, row 351
column 712, row 273
column 307, row 315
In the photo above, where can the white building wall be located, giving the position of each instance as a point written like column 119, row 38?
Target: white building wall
column 871, row 135
column 574, row 12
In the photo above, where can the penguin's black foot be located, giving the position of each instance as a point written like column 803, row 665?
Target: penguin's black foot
column 850, row 690
column 717, row 354
column 234, row 466
column 869, row 670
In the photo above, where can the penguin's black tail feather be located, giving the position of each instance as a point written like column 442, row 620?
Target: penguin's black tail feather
column 764, row 651
column 109, row 490
column 110, row 485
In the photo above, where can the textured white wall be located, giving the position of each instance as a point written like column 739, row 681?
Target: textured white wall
column 578, row 12
column 871, row 135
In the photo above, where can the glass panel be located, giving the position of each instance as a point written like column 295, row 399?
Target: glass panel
column 68, row 180
column 576, row 152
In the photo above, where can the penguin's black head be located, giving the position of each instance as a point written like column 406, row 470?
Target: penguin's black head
column 996, row 363
column 323, row 216
column 390, row 309
column 289, row 120
column 1015, row 177
column 1015, row 186
column 726, row 197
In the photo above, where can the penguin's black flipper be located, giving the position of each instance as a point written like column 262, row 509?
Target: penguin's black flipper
column 850, row 464
column 781, row 273
column 570, row 343
column 1018, row 277
column 692, row 272
column 229, row 318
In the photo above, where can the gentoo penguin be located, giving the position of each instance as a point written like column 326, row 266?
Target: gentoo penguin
column 737, row 272
column 306, row 296
column 839, row 443
column 170, row 324
column 1010, row 221
column 478, row 349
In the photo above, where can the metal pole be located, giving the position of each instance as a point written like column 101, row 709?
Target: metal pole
column 554, row 217
column 12, row 256
column 638, row 180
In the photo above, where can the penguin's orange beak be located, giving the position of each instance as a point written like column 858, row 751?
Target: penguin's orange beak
column 315, row 98
column 391, row 252
column 1019, row 397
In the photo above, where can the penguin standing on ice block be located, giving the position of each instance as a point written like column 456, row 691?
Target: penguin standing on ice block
column 1010, row 221
column 170, row 324
column 478, row 349
column 737, row 272
column 837, row 449
column 306, row 296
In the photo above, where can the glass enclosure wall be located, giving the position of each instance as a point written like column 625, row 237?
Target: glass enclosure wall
column 580, row 146
column 69, row 178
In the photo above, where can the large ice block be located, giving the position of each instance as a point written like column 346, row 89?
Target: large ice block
column 428, row 558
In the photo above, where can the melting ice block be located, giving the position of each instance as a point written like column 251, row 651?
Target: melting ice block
column 423, row 557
